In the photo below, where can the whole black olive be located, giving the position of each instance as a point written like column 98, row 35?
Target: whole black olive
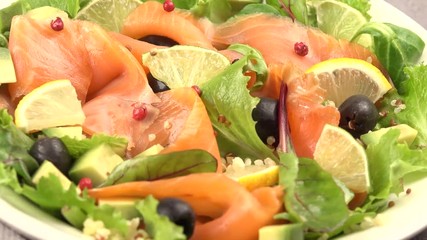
column 358, row 115
column 159, row 40
column 156, row 85
column 52, row 149
column 178, row 212
column 265, row 113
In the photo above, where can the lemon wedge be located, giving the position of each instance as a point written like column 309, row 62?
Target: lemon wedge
column 262, row 173
column 344, row 77
column 184, row 66
column 52, row 104
column 338, row 153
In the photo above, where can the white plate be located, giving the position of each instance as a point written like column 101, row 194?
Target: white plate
column 406, row 218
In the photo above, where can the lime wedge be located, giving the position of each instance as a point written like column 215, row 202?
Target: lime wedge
column 341, row 21
column 110, row 14
column 184, row 66
column 338, row 153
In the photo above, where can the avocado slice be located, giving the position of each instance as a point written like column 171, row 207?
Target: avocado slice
column 282, row 232
column 48, row 168
column 153, row 150
column 125, row 206
column 6, row 67
column 407, row 134
column 96, row 164
column 72, row 132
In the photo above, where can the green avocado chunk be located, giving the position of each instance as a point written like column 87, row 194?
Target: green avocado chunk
column 72, row 132
column 7, row 69
column 282, row 232
column 96, row 164
column 48, row 168
column 407, row 134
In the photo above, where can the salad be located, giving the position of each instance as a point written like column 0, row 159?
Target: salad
column 192, row 119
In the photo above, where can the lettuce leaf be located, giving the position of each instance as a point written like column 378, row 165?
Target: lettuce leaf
column 411, row 109
column 14, row 145
column 160, row 166
column 388, row 162
column 395, row 47
column 312, row 196
column 52, row 197
column 158, row 226
column 229, row 105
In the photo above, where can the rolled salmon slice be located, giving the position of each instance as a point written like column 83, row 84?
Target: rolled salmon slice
column 151, row 19
column 229, row 204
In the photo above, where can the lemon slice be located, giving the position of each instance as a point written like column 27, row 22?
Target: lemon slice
column 52, row 104
column 116, row 10
column 344, row 77
column 338, row 153
column 184, row 66
column 262, row 173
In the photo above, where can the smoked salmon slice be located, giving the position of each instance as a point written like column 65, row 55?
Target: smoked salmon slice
column 282, row 34
column 151, row 19
column 229, row 205
column 308, row 113
column 110, row 83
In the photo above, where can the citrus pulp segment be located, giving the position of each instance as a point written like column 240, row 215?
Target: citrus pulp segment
column 338, row 153
column 344, row 77
column 184, row 66
column 252, row 176
column 52, row 104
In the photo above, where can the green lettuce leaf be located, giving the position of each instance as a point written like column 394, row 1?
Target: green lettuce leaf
column 388, row 162
column 158, row 226
column 49, row 195
column 296, row 9
column 155, row 167
column 395, row 47
column 77, row 147
column 312, row 196
column 410, row 108
column 229, row 105
column 14, row 145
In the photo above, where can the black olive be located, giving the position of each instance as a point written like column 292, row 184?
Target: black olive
column 52, row 149
column 265, row 113
column 179, row 212
column 358, row 115
column 159, row 40
column 156, row 85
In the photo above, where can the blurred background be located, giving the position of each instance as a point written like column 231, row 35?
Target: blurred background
column 416, row 9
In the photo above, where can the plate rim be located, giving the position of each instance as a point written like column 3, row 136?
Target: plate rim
column 19, row 221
